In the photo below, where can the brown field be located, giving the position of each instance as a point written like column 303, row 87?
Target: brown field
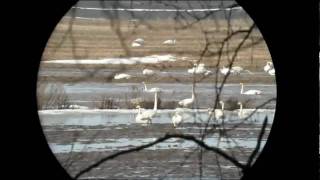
column 88, row 39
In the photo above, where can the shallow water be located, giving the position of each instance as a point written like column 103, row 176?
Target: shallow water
column 88, row 135
column 125, row 143
column 127, row 117
column 89, row 94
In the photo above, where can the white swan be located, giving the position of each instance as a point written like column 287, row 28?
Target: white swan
column 272, row 72
column 137, row 43
column 146, row 116
column 122, row 76
column 207, row 73
column 177, row 118
column 238, row 70
column 169, row 42
column 148, row 72
column 189, row 101
column 139, row 40
column 218, row 113
column 250, row 92
column 199, row 69
column 150, row 90
column 268, row 66
column 242, row 113
column 225, row 71
column 234, row 70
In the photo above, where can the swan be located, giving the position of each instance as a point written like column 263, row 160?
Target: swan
column 122, row 76
column 177, row 118
column 140, row 118
column 250, row 92
column 150, row 90
column 208, row 72
column 187, row 102
column 169, row 42
column 218, row 113
column 238, row 70
column 135, row 44
column 233, row 70
column 139, row 40
column 272, row 72
column 225, row 71
column 268, row 66
column 199, row 69
column 242, row 113
column 146, row 116
column 148, row 72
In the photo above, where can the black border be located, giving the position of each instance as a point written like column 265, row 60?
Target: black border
column 291, row 33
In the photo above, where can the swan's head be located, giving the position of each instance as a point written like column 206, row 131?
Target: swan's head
column 221, row 102
column 143, row 82
column 241, row 83
column 138, row 106
column 239, row 103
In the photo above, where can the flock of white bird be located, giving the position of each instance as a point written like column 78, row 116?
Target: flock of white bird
column 146, row 116
column 140, row 42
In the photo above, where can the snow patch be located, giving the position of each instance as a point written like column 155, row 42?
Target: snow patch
column 153, row 59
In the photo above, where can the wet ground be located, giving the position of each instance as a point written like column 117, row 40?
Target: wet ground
column 81, row 137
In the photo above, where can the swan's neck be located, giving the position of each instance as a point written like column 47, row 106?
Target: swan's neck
column 222, row 106
column 241, row 91
column 193, row 92
column 240, row 112
column 155, row 106
column 139, row 110
column 145, row 87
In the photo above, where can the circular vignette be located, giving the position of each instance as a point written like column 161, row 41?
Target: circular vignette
column 62, row 92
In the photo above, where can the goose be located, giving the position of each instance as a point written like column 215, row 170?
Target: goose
column 268, row 66
column 122, row 76
column 148, row 72
column 147, row 115
column 189, row 101
column 169, row 42
column 250, row 92
column 218, row 113
column 150, row 90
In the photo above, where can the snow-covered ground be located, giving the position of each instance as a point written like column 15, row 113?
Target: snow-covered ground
column 153, row 59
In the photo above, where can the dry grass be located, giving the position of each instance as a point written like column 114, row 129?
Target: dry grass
column 96, row 39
